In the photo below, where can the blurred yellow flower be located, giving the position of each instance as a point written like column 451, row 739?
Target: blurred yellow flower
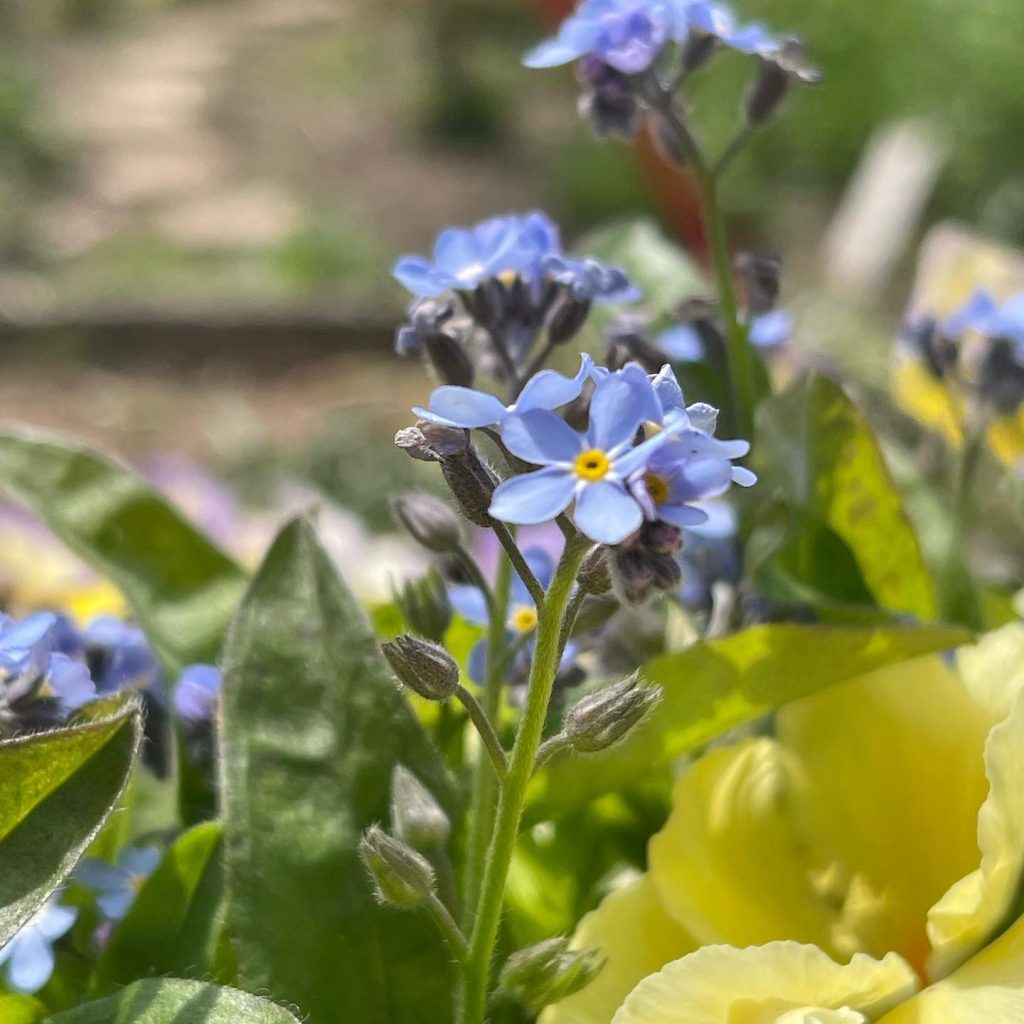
column 873, row 848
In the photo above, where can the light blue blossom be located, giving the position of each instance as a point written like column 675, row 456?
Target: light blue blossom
column 28, row 959
column 469, row 409
column 771, row 330
column 674, row 478
column 120, row 655
column 118, row 884
column 983, row 315
column 710, row 554
column 197, row 693
column 718, row 21
column 591, row 469
column 682, row 343
column 30, row 668
column 466, row 257
column 626, row 34
column 591, row 281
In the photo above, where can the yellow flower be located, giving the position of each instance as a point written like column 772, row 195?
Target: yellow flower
column 873, row 849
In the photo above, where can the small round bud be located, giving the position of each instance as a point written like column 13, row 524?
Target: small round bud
column 594, row 576
column 417, row 818
column 568, row 318
column 425, row 668
column 778, row 71
column 603, row 718
column 429, row 521
column 632, row 575
column 472, row 484
column 401, row 877
column 425, row 605
column 449, row 360
column 548, row 972
column 661, row 538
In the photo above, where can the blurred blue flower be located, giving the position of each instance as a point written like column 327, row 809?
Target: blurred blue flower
column 770, row 330
column 197, row 693
column 626, row 34
column 465, row 257
column 118, row 884
column 119, row 655
column 591, row 281
column 710, row 554
column 983, row 315
column 703, row 18
column 591, row 469
column 28, row 958
column 30, row 667
column 682, row 343
column 674, row 478
column 466, row 408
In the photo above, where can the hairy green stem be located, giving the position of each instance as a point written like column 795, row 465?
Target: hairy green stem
column 484, row 788
column 472, row 1005
column 450, row 931
column 519, row 563
column 485, row 730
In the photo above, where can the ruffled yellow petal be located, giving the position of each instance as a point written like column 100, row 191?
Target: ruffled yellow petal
column 730, row 865
column 638, row 938
column 975, row 906
column 987, row 990
column 771, row 984
column 992, row 670
column 888, row 794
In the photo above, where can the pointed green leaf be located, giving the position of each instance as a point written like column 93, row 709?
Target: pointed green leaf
column 171, row 927
column 313, row 725
column 816, row 450
column 719, row 684
column 170, row 1001
column 182, row 588
column 56, row 791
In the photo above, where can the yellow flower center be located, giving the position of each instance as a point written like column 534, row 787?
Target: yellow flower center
column 592, row 465
column 657, row 488
column 508, row 277
column 524, row 619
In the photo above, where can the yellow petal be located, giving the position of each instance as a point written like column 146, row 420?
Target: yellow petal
column 780, row 981
column 993, row 669
column 987, row 990
column 637, row 937
column 729, row 865
column 891, row 783
column 974, row 907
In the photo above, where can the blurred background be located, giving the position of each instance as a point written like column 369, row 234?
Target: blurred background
column 200, row 200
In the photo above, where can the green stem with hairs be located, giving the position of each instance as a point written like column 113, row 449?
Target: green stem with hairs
column 484, row 786
column 476, row 975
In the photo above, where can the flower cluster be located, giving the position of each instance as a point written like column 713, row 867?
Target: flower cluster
column 489, row 292
column 979, row 348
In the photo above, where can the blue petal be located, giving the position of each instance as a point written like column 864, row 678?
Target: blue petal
column 416, row 274
column 452, row 406
column 470, row 603
column 975, row 314
column 752, row 39
column 703, row 417
column 24, row 635
column 116, row 904
column 56, row 920
column 619, row 407
column 636, row 458
column 702, row 478
column 70, row 681
column 193, row 702
column 31, row 961
column 682, row 343
column 666, row 387
column 574, row 39
column 684, row 516
column 542, row 565
column 533, row 497
column 98, row 874
column 140, row 861
column 454, row 249
column 476, row 665
column 548, row 390
column 772, row 329
column 206, row 676
column 540, row 437
column 721, row 522
column 606, row 513
column 743, row 477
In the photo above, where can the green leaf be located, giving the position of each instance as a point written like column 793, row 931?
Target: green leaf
column 56, row 791
column 719, row 684
column 170, row 1001
column 172, row 925
column 181, row 587
column 313, row 725
column 662, row 271
column 816, row 450
column 21, row 1010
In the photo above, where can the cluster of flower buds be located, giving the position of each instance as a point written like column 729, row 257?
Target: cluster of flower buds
column 633, row 54
column 979, row 349
column 488, row 293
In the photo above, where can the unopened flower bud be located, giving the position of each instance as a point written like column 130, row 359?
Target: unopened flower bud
column 429, row 521
column 700, row 47
column 425, row 606
column 425, row 668
column 427, row 442
column 449, row 360
column 632, row 575
column 603, row 718
column 417, row 818
column 661, row 538
column 668, row 574
column 759, row 280
column 548, row 972
column 608, row 100
column 472, row 485
column 594, row 576
column 778, row 71
column 401, row 877
column 568, row 318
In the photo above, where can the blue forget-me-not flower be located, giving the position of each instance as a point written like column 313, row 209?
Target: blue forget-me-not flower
column 28, row 959
column 197, row 693
column 118, row 884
